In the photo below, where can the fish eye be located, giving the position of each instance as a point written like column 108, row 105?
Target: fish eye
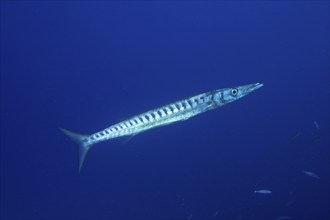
column 234, row 92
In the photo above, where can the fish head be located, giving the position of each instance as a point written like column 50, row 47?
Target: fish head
column 224, row 96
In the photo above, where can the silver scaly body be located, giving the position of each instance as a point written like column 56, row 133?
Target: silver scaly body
column 177, row 111
column 165, row 115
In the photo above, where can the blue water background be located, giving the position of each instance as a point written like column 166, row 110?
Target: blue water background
column 85, row 65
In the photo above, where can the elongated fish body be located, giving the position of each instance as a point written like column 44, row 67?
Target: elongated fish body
column 311, row 174
column 263, row 191
column 168, row 114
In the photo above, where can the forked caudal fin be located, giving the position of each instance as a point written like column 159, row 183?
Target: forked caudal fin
column 81, row 140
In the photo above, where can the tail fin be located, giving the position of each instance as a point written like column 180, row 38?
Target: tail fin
column 81, row 140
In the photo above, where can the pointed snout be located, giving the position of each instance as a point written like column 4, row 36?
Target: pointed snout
column 246, row 89
column 255, row 86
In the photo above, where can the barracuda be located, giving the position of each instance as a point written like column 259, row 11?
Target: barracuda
column 168, row 114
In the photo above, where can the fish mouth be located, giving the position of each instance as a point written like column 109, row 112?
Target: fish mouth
column 253, row 87
column 246, row 89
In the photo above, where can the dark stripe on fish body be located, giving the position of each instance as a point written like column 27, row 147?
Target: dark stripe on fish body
column 168, row 110
column 155, row 114
column 222, row 97
column 178, row 105
column 187, row 105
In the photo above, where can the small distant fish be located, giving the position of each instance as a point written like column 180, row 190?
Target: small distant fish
column 311, row 174
column 289, row 203
column 283, row 218
column 263, row 191
column 316, row 124
column 216, row 213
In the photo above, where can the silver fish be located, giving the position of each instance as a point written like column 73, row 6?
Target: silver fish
column 311, row 174
column 168, row 114
column 283, row 218
column 263, row 191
